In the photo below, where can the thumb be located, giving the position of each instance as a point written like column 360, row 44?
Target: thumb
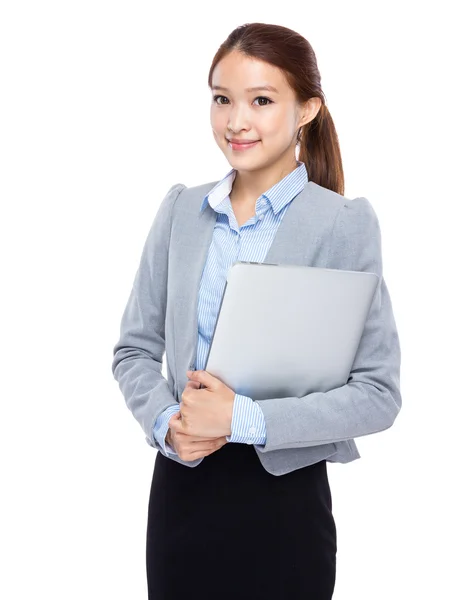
column 175, row 417
column 176, row 423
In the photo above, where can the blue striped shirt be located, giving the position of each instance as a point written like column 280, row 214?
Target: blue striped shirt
column 250, row 242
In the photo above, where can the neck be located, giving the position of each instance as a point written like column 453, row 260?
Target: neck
column 249, row 185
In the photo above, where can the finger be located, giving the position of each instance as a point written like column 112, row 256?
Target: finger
column 189, row 454
column 175, row 421
column 194, row 385
column 205, row 378
column 196, row 439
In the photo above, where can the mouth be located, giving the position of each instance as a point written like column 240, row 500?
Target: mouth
column 242, row 145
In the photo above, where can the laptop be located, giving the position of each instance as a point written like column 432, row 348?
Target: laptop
column 288, row 330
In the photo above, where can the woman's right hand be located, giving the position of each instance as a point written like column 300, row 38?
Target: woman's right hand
column 191, row 447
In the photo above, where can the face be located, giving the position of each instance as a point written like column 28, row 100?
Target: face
column 270, row 117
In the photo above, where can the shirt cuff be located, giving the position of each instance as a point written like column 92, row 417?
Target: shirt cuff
column 248, row 424
column 161, row 428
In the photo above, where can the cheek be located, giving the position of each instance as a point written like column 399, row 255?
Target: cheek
column 273, row 125
column 217, row 121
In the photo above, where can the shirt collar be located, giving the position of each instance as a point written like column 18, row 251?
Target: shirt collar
column 278, row 195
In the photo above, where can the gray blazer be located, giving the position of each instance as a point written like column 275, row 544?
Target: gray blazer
column 321, row 228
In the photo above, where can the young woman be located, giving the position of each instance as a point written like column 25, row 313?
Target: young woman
column 240, row 504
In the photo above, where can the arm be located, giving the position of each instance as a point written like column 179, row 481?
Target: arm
column 371, row 399
column 137, row 360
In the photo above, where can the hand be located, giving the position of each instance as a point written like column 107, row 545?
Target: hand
column 206, row 412
column 190, row 447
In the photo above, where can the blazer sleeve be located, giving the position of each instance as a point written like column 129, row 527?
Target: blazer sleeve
column 371, row 399
column 138, row 353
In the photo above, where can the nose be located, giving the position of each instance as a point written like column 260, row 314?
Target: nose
column 237, row 120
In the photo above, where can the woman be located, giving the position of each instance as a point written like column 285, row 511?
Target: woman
column 240, row 505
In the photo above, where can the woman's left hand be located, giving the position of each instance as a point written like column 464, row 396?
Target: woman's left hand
column 207, row 411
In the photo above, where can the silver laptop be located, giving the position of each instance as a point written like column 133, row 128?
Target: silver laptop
column 288, row 330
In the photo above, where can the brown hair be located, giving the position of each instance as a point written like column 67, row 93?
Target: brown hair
column 293, row 54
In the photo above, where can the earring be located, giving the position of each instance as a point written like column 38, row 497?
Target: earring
column 299, row 135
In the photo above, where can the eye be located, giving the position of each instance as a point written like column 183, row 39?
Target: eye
column 264, row 98
column 216, row 97
column 269, row 101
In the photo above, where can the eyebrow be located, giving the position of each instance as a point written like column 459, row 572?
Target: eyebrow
column 268, row 88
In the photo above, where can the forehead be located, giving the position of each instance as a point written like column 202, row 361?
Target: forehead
column 237, row 73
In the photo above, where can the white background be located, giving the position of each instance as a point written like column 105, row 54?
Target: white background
column 105, row 105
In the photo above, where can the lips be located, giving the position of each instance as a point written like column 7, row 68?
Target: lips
column 242, row 147
column 241, row 142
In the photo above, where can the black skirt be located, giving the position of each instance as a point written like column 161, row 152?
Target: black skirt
column 227, row 529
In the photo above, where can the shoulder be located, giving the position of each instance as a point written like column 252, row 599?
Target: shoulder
column 355, row 234
column 184, row 199
column 357, row 218
column 166, row 205
column 351, row 221
column 194, row 195
column 354, row 210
